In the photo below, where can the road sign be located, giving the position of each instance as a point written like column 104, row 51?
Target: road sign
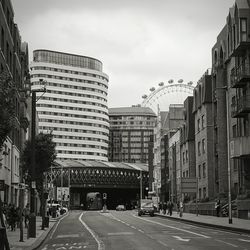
column 189, row 185
column 1, row 185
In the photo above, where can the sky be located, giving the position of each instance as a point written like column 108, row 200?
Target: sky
column 140, row 42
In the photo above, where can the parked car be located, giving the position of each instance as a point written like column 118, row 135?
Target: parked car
column 120, row 208
column 146, row 207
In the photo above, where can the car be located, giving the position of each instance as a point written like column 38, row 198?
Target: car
column 146, row 207
column 120, row 208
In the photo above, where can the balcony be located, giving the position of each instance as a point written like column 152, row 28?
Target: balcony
column 241, row 107
column 240, row 48
column 239, row 147
column 240, row 76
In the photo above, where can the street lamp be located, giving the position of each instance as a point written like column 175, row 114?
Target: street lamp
column 32, row 220
column 230, row 220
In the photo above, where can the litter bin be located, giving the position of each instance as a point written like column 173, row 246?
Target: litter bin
column 46, row 221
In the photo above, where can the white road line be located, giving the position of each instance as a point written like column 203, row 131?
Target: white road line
column 244, row 240
column 164, row 244
column 100, row 243
column 176, row 228
column 222, row 241
column 181, row 239
column 121, row 233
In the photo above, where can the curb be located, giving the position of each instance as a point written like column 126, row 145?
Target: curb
column 43, row 237
column 226, row 228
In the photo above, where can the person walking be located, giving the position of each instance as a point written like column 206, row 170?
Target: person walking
column 170, row 207
column 164, row 207
column 26, row 213
column 217, row 208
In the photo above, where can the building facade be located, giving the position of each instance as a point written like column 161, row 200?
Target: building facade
column 74, row 107
column 14, row 62
column 130, row 131
column 202, row 109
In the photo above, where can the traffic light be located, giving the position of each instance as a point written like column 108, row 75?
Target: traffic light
column 104, row 196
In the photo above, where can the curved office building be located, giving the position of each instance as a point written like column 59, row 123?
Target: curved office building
column 74, row 106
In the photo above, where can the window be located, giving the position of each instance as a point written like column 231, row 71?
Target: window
column 203, row 146
column 199, row 193
column 243, row 29
column 199, row 148
column 234, row 131
column 203, row 122
column 199, row 171
column 198, row 125
column 183, row 157
column 204, row 170
column 204, row 192
column 186, row 155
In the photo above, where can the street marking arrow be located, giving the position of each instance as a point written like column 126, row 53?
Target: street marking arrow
column 181, row 239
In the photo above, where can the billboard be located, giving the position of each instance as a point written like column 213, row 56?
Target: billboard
column 62, row 193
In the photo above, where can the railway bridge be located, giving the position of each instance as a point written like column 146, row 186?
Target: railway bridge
column 71, row 180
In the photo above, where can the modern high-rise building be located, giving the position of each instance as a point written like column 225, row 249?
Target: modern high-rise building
column 130, row 131
column 74, row 107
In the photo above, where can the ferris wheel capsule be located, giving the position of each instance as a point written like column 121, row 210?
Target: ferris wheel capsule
column 152, row 89
column 144, row 96
column 180, row 81
column 190, row 83
column 161, row 84
column 170, row 81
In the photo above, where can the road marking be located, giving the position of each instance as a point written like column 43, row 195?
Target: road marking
column 100, row 243
column 222, row 241
column 244, row 240
column 176, row 228
column 68, row 236
column 57, row 225
column 121, row 233
column 181, row 239
column 141, row 231
column 161, row 242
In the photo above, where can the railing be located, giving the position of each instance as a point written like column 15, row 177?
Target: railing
column 241, row 107
column 240, row 75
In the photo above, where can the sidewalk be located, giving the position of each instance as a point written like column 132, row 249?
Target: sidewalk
column 31, row 243
column 238, row 225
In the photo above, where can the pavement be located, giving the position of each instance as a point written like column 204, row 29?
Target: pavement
column 238, row 225
column 30, row 243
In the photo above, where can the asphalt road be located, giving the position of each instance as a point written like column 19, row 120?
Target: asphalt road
column 126, row 231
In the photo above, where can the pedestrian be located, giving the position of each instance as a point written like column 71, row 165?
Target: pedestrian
column 164, row 207
column 170, row 208
column 181, row 208
column 217, row 208
column 26, row 213
column 160, row 207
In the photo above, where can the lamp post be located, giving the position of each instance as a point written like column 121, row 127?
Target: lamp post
column 230, row 220
column 32, row 220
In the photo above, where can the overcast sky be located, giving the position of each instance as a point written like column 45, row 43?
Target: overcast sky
column 140, row 42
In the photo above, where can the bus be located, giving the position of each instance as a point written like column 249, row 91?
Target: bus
column 94, row 201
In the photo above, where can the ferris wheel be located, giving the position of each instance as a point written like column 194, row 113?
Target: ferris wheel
column 165, row 95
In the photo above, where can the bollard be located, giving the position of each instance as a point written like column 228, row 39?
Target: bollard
column 46, row 221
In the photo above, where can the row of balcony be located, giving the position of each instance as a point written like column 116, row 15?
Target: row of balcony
column 241, row 107
column 240, row 76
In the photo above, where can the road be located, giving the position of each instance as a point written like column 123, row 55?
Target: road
column 126, row 231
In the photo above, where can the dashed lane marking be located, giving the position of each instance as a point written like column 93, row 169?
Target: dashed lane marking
column 120, row 233
column 244, row 240
column 181, row 239
column 227, row 243
column 68, row 236
column 176, row 228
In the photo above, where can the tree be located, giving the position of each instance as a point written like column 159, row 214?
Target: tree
column 45, row 155
column 7, row 106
